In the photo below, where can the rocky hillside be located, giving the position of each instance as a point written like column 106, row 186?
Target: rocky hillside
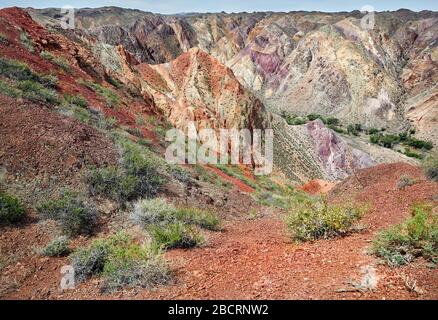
column 300, row 62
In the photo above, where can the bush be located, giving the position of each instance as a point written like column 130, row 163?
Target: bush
column 35, row 91
column 159, row 212
column 419, row 144
column 4, row 39
column 332, row 121
column 138, row 177
column 76, row 100
column 405, row 181
column 111, row 98
column 57, row 248
column 430, row 167
column 175, row 235
column 353, row 129
column 9, row 90
column 411, row 154
column 74, row 215
column 59, row 61
column 26, row 42
column 11, row 209
column 314, row 220
column 417, row 236
column 26, row 83
column 121, row 262
column 373, row 131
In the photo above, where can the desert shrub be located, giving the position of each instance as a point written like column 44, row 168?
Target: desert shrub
column 135, row 132
column 412, row 154
column 121, row 262
column 158, row 211
column 59, row 61
column 153, row 211
column 405, row 181
column 430, row 167
column 27, row 83
column 385, row 140
column 175, row 235
column 115, row 83
column 8, row 90
column 314, row 220
column 26, row 41
column 57, row 248
column 332, row 121
column 179, row 174
column 11, row 209
column 112, row 99
column 74, row 215
column 417, row 236
column 77, row 100
column 335, row 128
column 35, row 91
column 314, row 116
column 354, row 129
column 137, row 177
column 373, row 131
column 4, row 39
column 419, row 144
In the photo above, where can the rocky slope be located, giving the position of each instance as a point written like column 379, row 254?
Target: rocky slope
column 301, row 62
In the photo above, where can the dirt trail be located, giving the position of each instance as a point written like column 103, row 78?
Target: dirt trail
column 254, row 259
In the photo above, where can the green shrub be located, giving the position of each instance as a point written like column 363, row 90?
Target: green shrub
column 175, row 235
column 111, row 98
column 405, row 181
column 26, row 83
column 419, row 144
column 77, row 100
column 412, row 154
column 8, row 90
column 332, row 121
column 26, row 42
column 35, row 91
column 314, row 116
column 314, row 220
column 73, row 214
column 373, row 131
column 354, row 129
column 137, row 177
column 57, row 248
column 11, row 209
column 417, row 236
column 158, row 211
column 121, row 262
column 430, row 167
column 4, row 39
column 59, row 61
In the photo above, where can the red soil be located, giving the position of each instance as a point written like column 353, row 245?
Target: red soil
column 254, row 259
column 317, row 187
column 234, row 181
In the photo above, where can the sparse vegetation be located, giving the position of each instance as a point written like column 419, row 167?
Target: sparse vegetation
column 405, row 181
column 74, row 215
column 417, row 236
column 26, row 42
column 59, row 247
column 172, row 227
column 3, row 39
column 11, row 209
column 175, row 235
column 23, row 82
column 430, row 167
column 390, row 140
column 59, row 61
column 314, row 220
column 121, row 262
column 111, row 98
column 137, row 177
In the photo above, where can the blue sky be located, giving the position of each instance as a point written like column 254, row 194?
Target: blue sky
column 177, row 6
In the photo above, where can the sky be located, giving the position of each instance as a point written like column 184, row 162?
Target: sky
column 180, row 6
